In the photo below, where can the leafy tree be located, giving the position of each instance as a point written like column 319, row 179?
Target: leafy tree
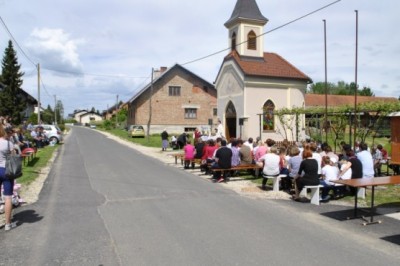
column 369, row 123
column 59, row 109
column 47, row 116
column 11, row 100
column 341, row 88
column 366, row 92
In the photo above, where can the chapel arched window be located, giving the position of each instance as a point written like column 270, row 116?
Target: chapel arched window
column 252, row 41
column 268, row 116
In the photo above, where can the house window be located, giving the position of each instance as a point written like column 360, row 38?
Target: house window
column 174, row 91
column 215, row 111
column 252, row 41
column 233, row 44
column 268, row 116
column 190, row 113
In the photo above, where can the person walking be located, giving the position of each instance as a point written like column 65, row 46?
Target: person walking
column 164, row 139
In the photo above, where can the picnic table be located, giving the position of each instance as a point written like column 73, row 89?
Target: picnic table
column 364, row 182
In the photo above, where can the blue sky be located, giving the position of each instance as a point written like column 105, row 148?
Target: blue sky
column 91, row 51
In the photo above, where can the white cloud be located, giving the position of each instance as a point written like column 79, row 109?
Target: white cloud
column 54, row 49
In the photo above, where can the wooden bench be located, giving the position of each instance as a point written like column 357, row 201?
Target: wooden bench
column 28, row 153
column 314, row 193
column 254, row 167
column 182, row 158
column 178, row 156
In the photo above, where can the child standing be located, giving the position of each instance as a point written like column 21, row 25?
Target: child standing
column 189, row 154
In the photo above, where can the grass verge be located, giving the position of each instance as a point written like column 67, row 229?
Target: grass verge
column 32, row 169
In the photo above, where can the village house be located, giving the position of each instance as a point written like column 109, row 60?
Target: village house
column 314, row 121
column 86, row 117
column 177, row 100
column 30, row 102
column 251, row 83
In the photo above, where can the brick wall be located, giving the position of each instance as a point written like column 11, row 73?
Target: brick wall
column 169, row 110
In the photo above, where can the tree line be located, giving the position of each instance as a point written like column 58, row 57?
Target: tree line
column 339, row 88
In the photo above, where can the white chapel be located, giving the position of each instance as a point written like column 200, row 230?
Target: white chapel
column 251, row 83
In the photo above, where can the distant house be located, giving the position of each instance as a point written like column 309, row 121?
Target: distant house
column 77, row 114
column 86, row 117
column 342, row 100
column 89, row 117
column 30, row 102
column 180, row 101
column 110, row 112
column 318, row 100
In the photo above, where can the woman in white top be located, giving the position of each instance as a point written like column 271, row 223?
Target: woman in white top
column 271, row 161
column 329, row 172
column 8, row 185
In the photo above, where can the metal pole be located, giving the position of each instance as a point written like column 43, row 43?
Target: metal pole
column 260, row 125
column 116, row 113
column 326, row 87
column 38, row 73
column 356, row 87
column 150, row 110
column 55, row 109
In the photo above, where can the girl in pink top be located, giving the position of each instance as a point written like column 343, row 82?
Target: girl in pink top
column 261, row 150
column 189, row 153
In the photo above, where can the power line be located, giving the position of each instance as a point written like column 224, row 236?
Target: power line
column 15, row 41
column 274, row 29
column 91, row 74
column 44, row 87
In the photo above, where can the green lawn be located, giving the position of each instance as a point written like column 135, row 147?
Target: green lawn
column 152, row 141
column 32, row 169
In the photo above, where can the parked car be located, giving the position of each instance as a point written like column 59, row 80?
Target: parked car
column 136, row 131
column 52, row 132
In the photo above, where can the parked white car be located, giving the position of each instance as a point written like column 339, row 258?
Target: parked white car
column 52, row 132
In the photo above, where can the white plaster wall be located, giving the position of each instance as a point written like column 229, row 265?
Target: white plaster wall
column 282, row 94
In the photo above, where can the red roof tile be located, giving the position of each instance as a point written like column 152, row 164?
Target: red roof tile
column 271, row 65
column 341, row 100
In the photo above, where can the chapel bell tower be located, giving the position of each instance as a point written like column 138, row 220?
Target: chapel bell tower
column 245, row 24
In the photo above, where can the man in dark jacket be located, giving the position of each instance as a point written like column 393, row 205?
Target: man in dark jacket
column 223, row 160
column 182, row 140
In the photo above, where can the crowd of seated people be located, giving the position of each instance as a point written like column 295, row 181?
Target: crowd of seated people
column 298, row 164
column 25, row 135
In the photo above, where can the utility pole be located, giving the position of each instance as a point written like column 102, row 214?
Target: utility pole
column 356, row 86
column 55, row 109
column 38, row 72
column 116, row 113
column 326, row 87
column 151, row 96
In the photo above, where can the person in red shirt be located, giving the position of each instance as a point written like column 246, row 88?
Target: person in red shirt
column 208, row 155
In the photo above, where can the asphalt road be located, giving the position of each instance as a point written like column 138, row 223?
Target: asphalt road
column 106, row 204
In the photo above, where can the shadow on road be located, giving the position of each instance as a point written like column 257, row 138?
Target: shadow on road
column 27, row 216
column 395, row 239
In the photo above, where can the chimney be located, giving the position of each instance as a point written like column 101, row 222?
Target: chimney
column 158, row 72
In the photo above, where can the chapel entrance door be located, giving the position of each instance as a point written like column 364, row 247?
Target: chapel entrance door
column 230, row 121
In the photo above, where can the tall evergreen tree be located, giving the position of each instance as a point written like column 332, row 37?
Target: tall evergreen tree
column 59, row 109
column 11, row 101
